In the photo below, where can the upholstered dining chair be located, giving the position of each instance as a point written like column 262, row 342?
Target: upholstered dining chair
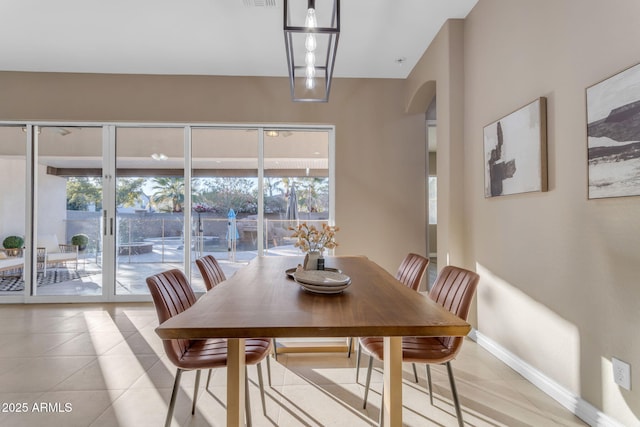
column 172, row 295
column 211, row 271
column 410, row 273
column 454, row 289
column 212, row 274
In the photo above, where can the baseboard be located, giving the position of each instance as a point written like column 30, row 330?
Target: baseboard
column 575, row 404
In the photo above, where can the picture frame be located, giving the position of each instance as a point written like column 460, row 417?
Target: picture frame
column 515, row 151
column 613, row 135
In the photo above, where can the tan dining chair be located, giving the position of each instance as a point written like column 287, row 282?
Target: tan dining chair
column 213, row 274
column 410, row 273
column 412, row 269
column 454, row 289
column 172, row 295
column 211, row 271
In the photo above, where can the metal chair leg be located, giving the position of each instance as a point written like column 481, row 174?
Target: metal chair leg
column 415, row 372
column 247, row 403
column 381, row 414
column 429, row 383
column 174, row 394
column 275, row 349
column 368, row 381
column 208, row 379
column 358, row 354
column 269, row 371
column 195, row 392
column 456, row 402
column 261, row 384
column 349, row 345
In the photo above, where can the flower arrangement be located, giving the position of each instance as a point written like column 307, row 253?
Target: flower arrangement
column 313, row 239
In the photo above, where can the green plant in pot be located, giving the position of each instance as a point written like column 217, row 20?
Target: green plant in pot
column 13, row 242
column 80, row 240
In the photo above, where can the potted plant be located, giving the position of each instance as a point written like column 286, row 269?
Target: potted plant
column 13, row 242
column 80, row 240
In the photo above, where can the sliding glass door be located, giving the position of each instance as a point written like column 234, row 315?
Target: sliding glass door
column 67, row 234
column 149, row 205
column 13, row 172
column 94, row 209
column 224, row 186
column 296, row 185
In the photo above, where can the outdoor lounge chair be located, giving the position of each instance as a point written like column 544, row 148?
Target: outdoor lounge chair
column 58, row 253
column 11, row 260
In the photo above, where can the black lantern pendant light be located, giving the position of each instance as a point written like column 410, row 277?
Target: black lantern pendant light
column 311, row 30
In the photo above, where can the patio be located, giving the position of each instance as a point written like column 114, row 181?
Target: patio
column 131, row 271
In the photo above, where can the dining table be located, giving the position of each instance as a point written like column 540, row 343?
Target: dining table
column 262, row 300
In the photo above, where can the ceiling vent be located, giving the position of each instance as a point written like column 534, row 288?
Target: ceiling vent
column 260, row 3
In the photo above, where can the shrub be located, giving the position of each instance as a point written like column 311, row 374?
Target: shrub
column 13, row 242
column 80, row 240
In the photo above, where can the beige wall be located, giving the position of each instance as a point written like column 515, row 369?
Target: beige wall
column 380, row 150
column 443, row 64
column 559, row 286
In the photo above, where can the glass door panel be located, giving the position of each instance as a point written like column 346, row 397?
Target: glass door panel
column 296, row 185
column 149, row 205
column 225, row 198
column 13, row 150
column 68, row 207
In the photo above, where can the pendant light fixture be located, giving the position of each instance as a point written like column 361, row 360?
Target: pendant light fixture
column 311, row 30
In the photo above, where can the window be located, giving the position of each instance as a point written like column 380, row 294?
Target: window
column 433, row 200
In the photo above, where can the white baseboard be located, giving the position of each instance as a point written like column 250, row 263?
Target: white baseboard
column 575, row 404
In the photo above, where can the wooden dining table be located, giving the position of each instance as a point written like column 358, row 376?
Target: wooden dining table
column 260, row 300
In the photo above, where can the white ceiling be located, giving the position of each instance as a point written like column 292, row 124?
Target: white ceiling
column 209, row 37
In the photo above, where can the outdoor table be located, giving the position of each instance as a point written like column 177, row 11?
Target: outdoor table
column 261, row 301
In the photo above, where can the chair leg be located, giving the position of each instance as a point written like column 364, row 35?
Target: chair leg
column 174, row 394
column 269, row 371
column 456, row 402
column 261, row 384
column 415, row 372
column 195, row 392
column 349, row 345
column 247, row 403
column 358, row 354
column 381, row 413
column 208, row 379
column 368, row 381
column 429, row 383
column 275, row 349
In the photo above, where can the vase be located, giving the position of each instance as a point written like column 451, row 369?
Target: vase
column 311, row 260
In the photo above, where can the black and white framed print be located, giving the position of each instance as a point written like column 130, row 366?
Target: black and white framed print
column 613, row 135
column 515, row 151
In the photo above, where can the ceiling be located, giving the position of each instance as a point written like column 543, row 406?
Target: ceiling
column 74, row 150
column 378, row 38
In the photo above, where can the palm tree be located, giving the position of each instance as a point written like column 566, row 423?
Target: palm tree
column 169, row 191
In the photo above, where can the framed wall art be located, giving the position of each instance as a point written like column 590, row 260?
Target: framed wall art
column 515, row 151
column 613, row 135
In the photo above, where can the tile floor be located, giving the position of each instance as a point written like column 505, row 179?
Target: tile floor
column 102, row 365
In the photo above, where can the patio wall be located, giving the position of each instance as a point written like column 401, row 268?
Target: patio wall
column 12, row 194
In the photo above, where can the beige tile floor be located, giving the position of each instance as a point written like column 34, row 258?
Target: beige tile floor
column 102, row 365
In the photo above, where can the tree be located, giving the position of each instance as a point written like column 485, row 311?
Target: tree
column 224, row 193
column 129, row 191
column 313, row 193
column 83, row 192
column 168, row 193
